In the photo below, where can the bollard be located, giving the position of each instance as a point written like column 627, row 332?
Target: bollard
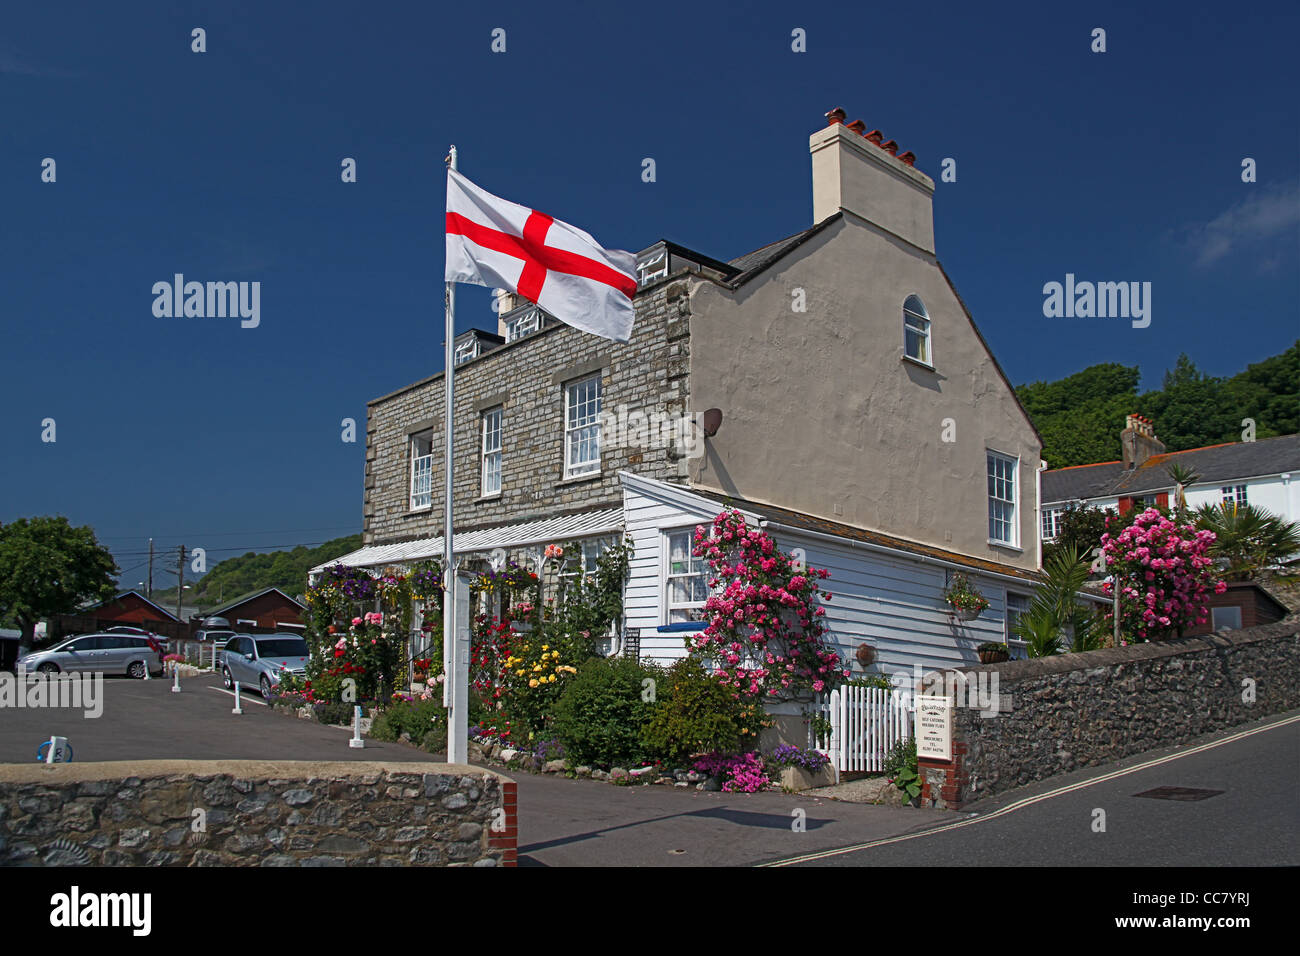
column 356, row 742
column 176, row 677
column 238, row 709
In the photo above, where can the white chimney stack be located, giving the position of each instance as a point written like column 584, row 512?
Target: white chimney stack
column 854, row 171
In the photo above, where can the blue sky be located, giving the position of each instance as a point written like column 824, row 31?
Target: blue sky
column 225, row 165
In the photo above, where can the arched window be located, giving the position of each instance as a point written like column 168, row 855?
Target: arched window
column 916, row 330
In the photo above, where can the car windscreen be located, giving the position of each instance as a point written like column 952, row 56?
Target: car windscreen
column 282, row 647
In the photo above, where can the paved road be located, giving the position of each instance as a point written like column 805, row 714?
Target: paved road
column 581, row 822
column 1253, row 821
column 561, row 821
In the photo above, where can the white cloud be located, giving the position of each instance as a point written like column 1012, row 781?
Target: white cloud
column 1265, row 214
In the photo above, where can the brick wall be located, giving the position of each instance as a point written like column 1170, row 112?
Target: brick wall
column 647, row 374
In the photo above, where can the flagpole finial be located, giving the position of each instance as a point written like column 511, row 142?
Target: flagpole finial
column 450, row 158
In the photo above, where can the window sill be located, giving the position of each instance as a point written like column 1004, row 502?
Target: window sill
column 1005, row 546
column 579, row 479
column 486, row 499
column 917, row 362
column 411, row 512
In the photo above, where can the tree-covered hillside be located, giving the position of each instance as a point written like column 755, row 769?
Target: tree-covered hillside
column 1080, row 416
column 286, row 570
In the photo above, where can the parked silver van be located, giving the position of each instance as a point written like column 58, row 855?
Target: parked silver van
column 118, row 653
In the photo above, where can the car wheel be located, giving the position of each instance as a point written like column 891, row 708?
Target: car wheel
column 227, row 679
column 48, row 668
column 265, row 685
column 136, row 670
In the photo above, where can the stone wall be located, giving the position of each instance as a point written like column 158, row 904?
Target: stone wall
column 527, row 378
column 255, row 813
column 1061, row 713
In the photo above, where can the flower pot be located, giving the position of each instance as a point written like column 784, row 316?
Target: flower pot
column 993, row 657
column 797, row 778
column 967, row 613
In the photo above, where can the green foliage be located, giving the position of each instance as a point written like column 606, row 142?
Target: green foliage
column 1056, row 618
column 601, row 714
column 418, row 718
column 48, row 567
column 696, row 714
column 1080, row 416
column 586, row 605
column 1247, row 540
column 1080, row 528
column 333, row 712
column 900, row 766
column 286, row 570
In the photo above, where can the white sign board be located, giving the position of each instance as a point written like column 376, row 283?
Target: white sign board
column 933, row 727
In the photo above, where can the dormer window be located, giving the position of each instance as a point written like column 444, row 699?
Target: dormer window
column 528, row 320
column 916, row 330
column 652, row 265
column 466, row 350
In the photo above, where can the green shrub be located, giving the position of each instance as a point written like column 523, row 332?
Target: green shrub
column 333, row 712
column 416, row 718
column 695, row 714
column 601, row 713
column 901, row 756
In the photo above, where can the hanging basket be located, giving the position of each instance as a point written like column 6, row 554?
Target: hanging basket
column 966, row 613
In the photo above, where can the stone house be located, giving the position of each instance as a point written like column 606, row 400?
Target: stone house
column 832, row 385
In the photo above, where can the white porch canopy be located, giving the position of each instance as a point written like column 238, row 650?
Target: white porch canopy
column 543, row 531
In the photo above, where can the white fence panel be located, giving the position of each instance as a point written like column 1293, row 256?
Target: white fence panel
column 865, row 723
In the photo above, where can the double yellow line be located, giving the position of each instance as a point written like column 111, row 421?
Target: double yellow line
column 1029, row 801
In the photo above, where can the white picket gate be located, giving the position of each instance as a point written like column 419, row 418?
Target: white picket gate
column 865, row 723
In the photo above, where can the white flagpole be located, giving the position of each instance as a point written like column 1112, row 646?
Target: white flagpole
column 455, row 697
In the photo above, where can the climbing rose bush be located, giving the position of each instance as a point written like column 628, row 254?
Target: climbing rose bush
column 765, row 630
column 1165, row 575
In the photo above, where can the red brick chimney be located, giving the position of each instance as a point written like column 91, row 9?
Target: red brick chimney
column 1138, row 441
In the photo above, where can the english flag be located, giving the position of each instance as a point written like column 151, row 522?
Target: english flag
column 497, row 243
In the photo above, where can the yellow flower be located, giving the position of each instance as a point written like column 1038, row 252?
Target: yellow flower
column 551, row 679
column 519, row 673
column 545, row 646
column 532, row 683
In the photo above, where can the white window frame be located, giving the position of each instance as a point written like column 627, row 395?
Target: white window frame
column 490, row 454
column 653, row 266
column 525, row 323
column 1235, row 495
column 466, row 349
column 1052, row 520
column 992, row 496
column 587, row 427
column 1214, row 615
column 666, row 575
column 920, row 324
column 421, row 474
column 1018, row 646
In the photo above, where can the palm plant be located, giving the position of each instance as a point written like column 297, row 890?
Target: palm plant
column 1247, row 540
column 1055, row 618
column 1183, row 478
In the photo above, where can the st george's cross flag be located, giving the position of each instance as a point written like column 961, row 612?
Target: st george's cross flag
column 497, row 243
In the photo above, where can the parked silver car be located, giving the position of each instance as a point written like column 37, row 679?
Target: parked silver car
column 118, row 653
column 260, row 659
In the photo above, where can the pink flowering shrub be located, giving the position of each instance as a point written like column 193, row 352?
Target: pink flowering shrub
column 1165, row 575
column 740, row 773
column 765, row 631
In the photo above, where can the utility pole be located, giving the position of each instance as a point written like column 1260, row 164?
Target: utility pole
column 148, row 589
column 180, row 581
